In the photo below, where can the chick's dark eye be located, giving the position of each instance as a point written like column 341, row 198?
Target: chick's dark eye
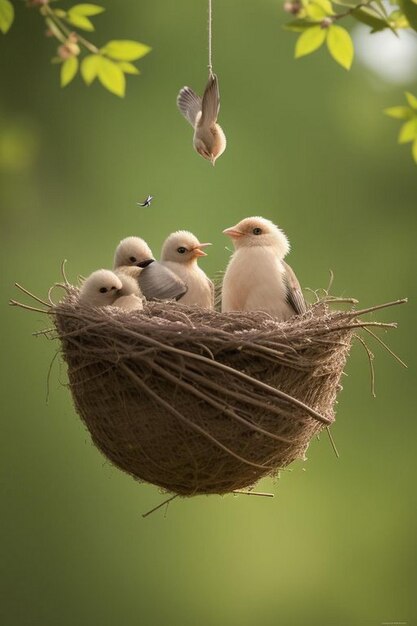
column 132, row 259
column 181, row 249
column 103, row 290
column 257, row 231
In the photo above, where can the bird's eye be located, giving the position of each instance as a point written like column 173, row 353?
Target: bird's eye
column 103, row 290
column 257, row 231
column 132, row 259
column 181, row 250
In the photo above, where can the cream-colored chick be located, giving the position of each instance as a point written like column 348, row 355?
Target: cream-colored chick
column 130, row 296
column 156, row 282
column 101, row 288
column 180, row 253
column 209, row 139
column 257, row 278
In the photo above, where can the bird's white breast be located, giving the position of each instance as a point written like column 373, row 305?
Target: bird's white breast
column 199, row 291
column 254, row 281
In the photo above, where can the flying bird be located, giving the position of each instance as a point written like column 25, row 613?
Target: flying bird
column 146, row 202
column 101, row 288
column 257, row 277
column 180, row 253
column 134, row 257
column 209, row 139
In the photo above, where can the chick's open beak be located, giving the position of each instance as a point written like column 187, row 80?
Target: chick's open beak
column 197, row 250
column 232, row 232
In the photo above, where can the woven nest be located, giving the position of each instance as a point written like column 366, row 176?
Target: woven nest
column 199, row 402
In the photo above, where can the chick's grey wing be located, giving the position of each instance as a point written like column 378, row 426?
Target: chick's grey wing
column 294, row 294
column 159, row 283
column 211, row 102
column 189, row 104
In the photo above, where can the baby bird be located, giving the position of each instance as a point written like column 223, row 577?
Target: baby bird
column 180, row 252
column 129, row 295
column 209, row 138
column 101, row 288
column 257, row 278
column 134, row 257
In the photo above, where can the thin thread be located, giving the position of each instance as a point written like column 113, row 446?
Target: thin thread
column 210, row 17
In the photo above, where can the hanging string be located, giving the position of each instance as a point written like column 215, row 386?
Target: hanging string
column 210, row 65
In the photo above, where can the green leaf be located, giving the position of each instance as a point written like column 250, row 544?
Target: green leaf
column 342, row 3
column 414, row 151
column 326, row 5
column 298, row 26
column 408, row 131
column 367, row 16
column 68, row 70
column 125, row 50
column 309, row 41
column 111, row 76
column 397, row 19
column 86, row 9
column 412, row 100
column 340, row 45
column 80, row 21
column 6, row 15
column 319, row 9
column 399, row 113
column 410, row 11
column 89, row 68
column 128, row 68
column 316, row 12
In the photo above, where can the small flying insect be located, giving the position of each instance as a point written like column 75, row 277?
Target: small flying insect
column 146, row 202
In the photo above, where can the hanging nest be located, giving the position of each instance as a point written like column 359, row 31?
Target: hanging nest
column 199, row 402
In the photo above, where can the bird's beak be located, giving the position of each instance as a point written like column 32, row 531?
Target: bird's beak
column 213, row 159
column 144, row 264
column 232, row 232
column 197, row 250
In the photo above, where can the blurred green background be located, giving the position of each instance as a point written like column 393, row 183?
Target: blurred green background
column 308, row 147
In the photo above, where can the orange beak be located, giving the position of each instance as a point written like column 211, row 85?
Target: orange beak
column 232, row 232
column 197, row 250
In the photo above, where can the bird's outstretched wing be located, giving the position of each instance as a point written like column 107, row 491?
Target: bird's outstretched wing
column 159, row 283
column 294, row 294
column 211, row 102
column 189, row 104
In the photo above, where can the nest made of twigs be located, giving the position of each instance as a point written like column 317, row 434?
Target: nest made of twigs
column 200, row 402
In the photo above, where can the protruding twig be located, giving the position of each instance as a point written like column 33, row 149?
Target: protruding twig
column 263, row 494
column 332, row 442
column 26, row 306
column 159, row 506
column 387, row 348
column 49, row 375
column 64, row 276
column 28, row 293
column 371, row 365
column 330, row 281
column 377, row 307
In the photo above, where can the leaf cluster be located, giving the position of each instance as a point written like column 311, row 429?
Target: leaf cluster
column 109, row 64
column 317, row 22
column 408, row 115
